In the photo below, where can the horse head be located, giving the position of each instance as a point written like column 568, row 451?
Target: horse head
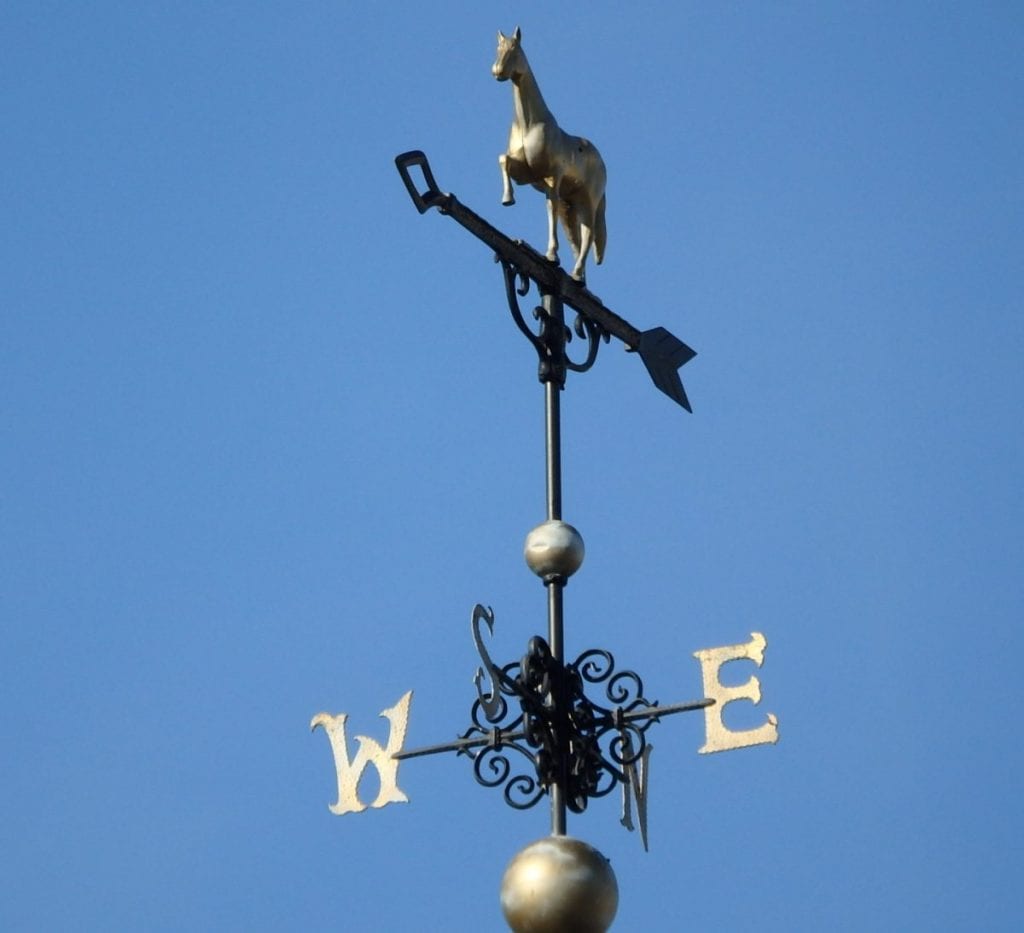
column 510, row 62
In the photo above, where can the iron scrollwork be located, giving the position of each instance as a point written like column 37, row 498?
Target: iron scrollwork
column 538, row 709
column 552, row 336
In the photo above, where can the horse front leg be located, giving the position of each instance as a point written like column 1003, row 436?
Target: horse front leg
column 553, row 224
column 507, row 197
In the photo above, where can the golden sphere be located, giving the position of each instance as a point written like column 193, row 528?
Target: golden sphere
column 554, row 549
column 559, row 885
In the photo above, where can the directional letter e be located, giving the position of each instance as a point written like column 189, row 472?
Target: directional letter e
column 370, row 753
column 716, row 737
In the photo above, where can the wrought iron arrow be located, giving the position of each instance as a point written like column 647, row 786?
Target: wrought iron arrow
column 662, row 352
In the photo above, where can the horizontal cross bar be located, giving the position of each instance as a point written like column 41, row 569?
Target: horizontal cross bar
column 496, row 737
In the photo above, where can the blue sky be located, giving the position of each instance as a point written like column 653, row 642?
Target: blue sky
column 269, row 435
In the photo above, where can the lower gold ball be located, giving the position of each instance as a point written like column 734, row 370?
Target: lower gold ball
column 559, row 885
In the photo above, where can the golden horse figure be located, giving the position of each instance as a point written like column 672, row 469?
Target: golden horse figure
column 568, row 169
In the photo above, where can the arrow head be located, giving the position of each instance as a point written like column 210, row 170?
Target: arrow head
column 664, row 354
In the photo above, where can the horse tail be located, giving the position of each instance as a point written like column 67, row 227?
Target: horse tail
column 600, row 232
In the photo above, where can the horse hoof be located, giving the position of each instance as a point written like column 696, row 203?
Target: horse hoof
column 508, row 202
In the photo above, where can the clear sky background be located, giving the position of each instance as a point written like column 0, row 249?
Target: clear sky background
column 269, row 434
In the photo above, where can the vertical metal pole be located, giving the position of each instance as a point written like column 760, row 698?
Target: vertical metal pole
column 552, row 398
column 555, row 374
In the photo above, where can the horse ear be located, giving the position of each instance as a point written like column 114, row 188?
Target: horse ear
column 501, row 36
column 518, row 34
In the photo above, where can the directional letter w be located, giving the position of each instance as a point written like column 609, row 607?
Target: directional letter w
column 350, row 771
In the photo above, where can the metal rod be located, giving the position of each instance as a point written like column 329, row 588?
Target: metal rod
column 554, row 449
column 553, row 458
column 646, row 712
column 460, row 745
column 555, row 642
column 656, row 712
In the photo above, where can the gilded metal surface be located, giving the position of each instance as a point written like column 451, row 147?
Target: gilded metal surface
column 554, row 549
column 567, row 169
column 559, row 885
column 717, row 737
column 370, row 753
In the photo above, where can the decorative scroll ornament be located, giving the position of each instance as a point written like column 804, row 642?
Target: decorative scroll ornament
column 537, row 709
column 552, row 336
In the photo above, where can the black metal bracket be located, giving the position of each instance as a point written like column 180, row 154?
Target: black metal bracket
column 662, row 353
column 584, row 746
column 537, row 708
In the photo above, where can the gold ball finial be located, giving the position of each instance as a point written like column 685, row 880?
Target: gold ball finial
column 559, row 885
column 554, row 549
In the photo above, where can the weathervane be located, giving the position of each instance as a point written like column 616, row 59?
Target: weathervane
column 536, row 711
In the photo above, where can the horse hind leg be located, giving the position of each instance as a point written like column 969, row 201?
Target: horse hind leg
column 507, row 195
column 570, row 224
column 580, row 226
column 586, row 236
column 578, row 234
